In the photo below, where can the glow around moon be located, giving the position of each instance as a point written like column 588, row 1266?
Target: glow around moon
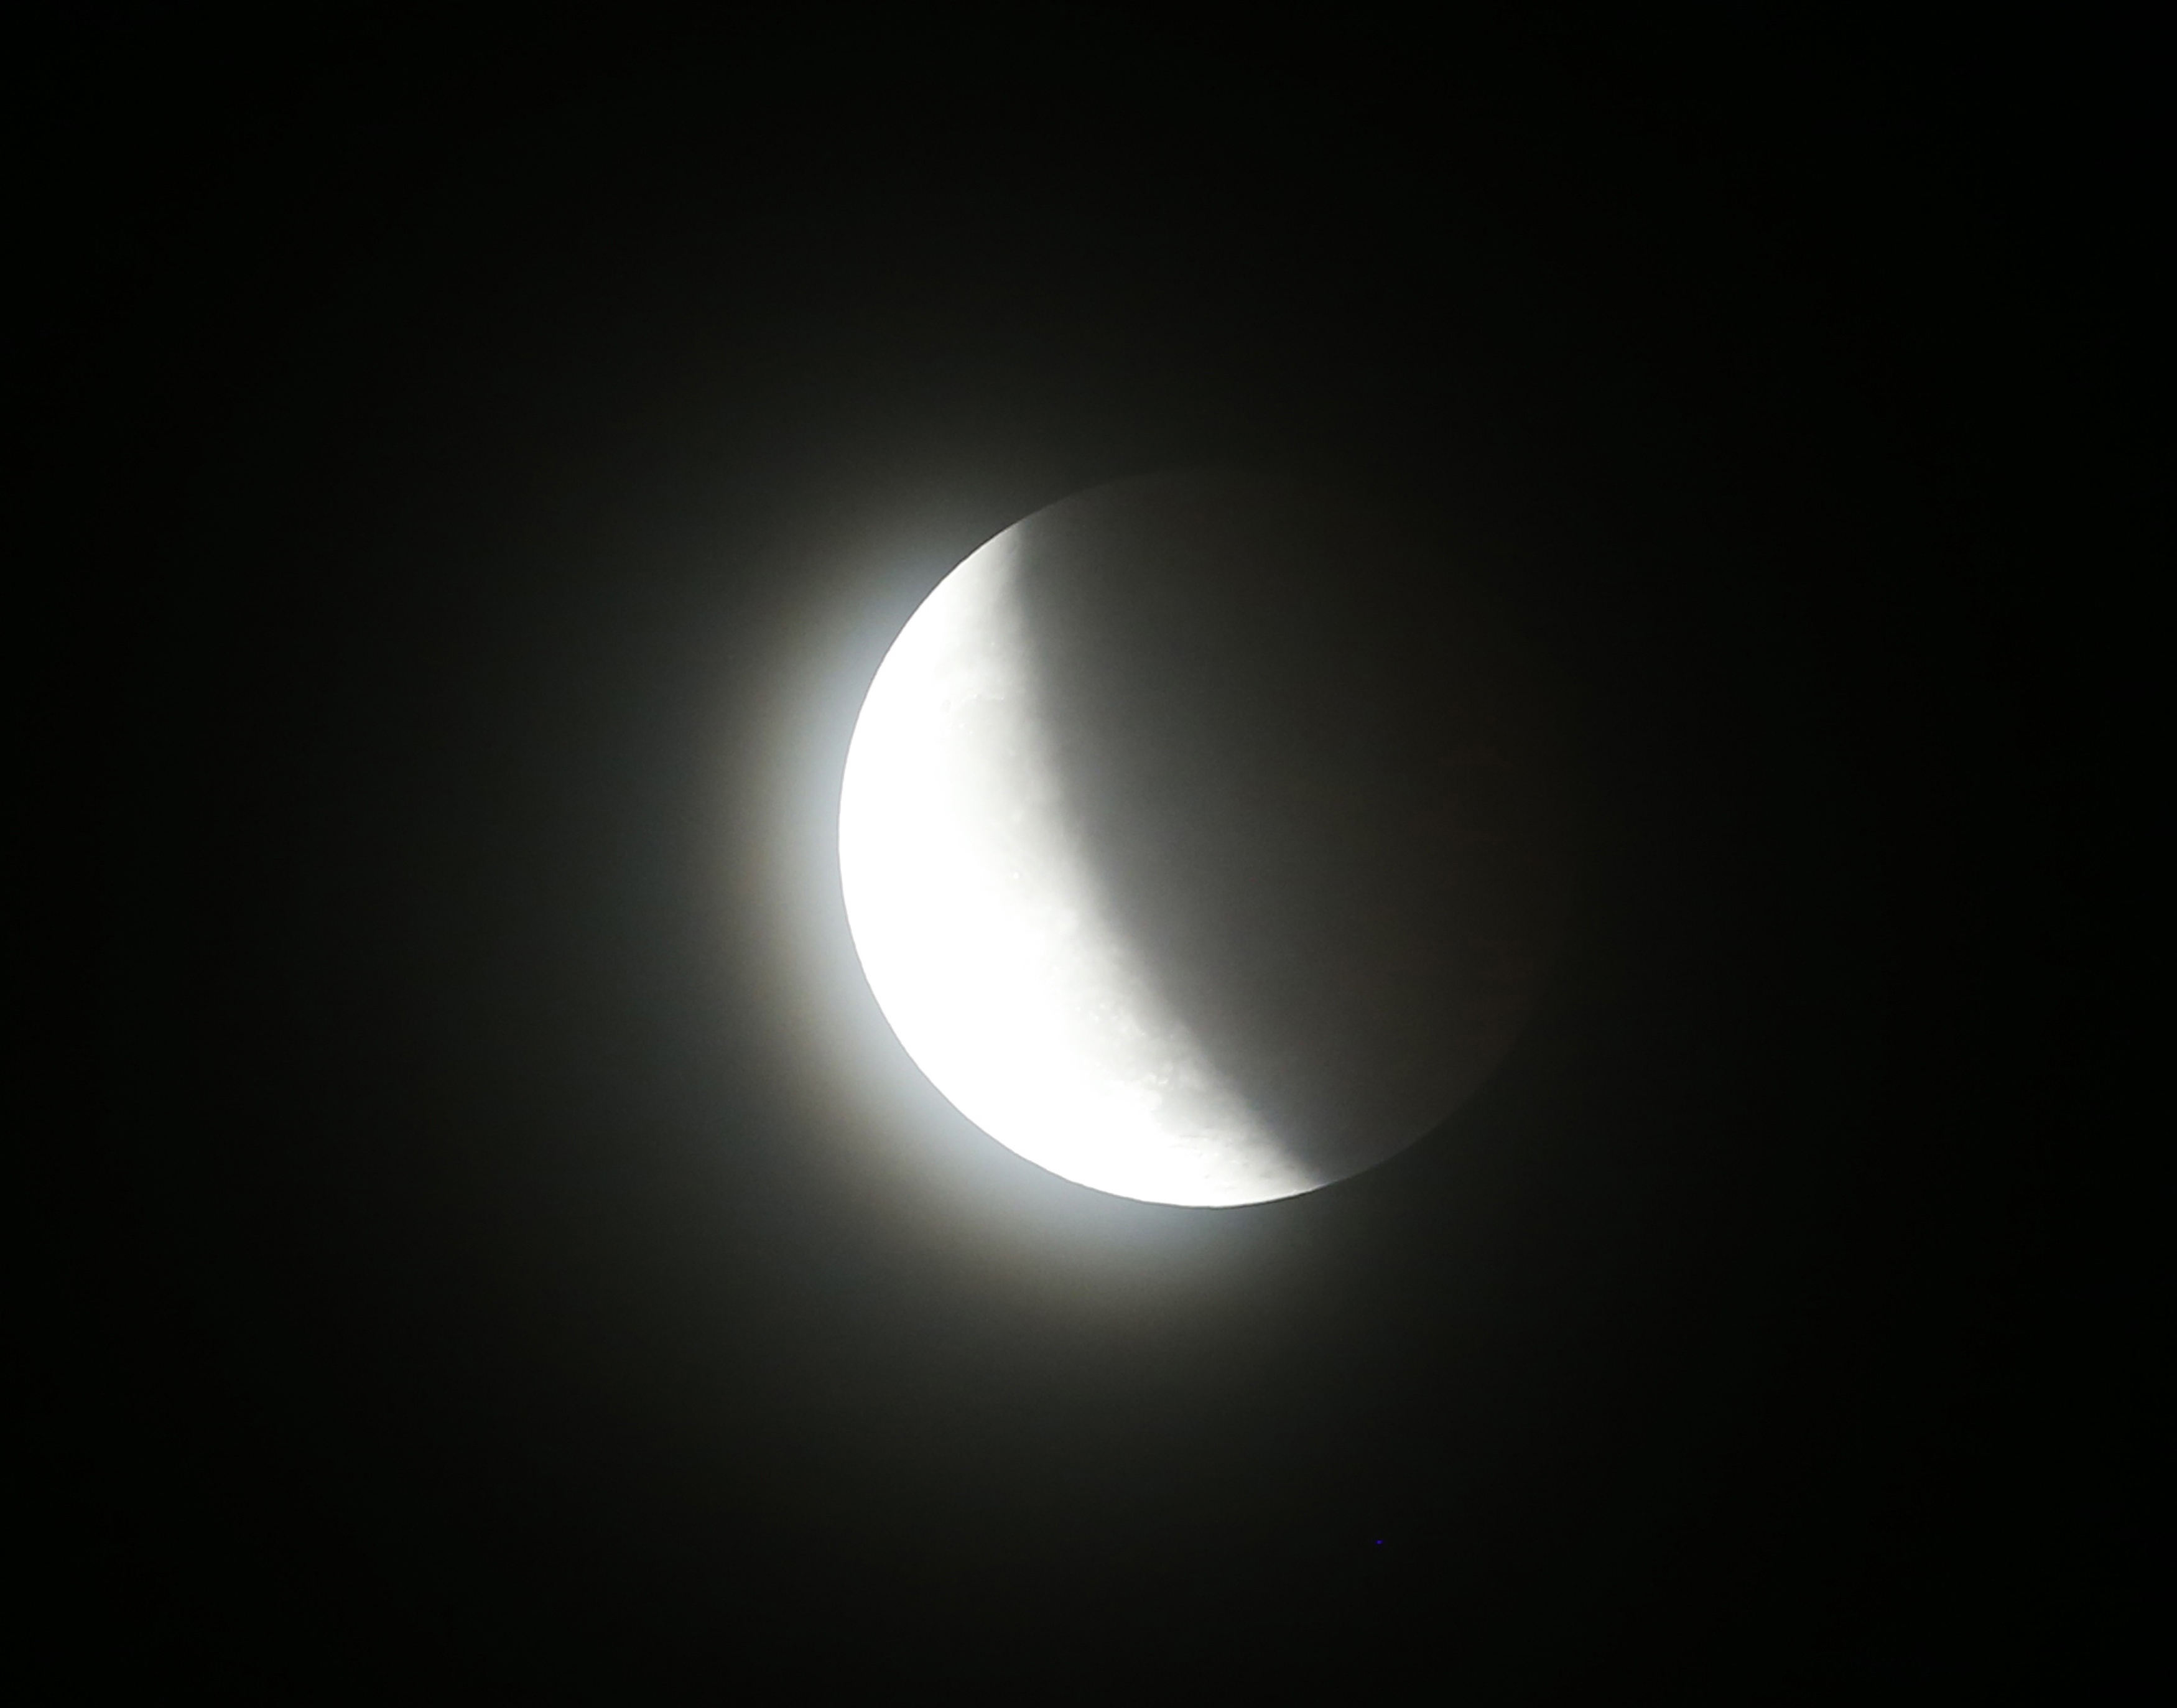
column 976, row 909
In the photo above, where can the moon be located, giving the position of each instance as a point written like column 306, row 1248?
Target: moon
column 1205, row 839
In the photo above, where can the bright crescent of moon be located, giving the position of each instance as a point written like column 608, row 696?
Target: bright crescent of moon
column 980, row 928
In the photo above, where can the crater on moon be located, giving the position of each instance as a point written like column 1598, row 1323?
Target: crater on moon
column 1205, row 840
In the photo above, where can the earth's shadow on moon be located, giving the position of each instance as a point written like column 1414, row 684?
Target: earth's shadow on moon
column 1327, row 792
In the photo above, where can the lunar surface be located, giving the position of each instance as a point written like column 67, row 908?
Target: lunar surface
column 1204, row 842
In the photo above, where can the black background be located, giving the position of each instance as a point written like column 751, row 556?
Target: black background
column 513, row 455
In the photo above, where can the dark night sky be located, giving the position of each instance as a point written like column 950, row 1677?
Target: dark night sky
column 519, row 456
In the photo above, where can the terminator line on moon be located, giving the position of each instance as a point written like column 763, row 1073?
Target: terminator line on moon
column 1203, row 841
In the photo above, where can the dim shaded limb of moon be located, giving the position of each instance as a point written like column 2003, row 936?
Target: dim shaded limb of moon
column 1200, row 847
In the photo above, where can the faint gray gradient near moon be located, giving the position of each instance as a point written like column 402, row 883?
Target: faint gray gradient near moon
column 1206, row 839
